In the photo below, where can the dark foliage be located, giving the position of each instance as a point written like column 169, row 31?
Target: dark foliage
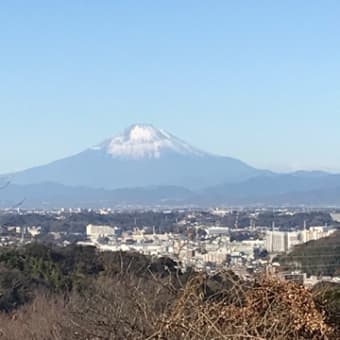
column 327, row 297
column 321, row 257
column 61, row 270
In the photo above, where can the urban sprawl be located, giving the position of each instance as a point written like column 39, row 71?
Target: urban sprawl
column 246, row 241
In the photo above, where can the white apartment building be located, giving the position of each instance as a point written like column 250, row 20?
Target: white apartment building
column 93, row 232
column 315, row 233
column 276, row 241
column 283, row 241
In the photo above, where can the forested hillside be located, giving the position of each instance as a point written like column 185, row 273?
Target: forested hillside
column 80, row 293
column 321, row 257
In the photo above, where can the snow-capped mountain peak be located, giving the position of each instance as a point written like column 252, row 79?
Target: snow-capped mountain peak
column 143, row 133
column 145, row 141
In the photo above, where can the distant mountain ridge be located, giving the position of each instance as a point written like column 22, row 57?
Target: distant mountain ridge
column 150, row 166
column 297, row 188
column 53, row 195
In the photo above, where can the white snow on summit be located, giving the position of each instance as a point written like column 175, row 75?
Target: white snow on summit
column 145, row 141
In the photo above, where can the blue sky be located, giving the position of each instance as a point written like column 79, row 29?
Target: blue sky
column 256, row 80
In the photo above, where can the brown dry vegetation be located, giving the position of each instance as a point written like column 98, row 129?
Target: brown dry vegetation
column 268, row 309
column 78, row 293
column 131, row 307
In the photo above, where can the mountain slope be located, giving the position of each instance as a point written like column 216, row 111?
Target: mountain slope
column 296, row 188
column 141, row 156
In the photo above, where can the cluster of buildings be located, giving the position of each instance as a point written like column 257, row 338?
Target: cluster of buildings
column 205, row 253
column 199, row 239
column 283, row 241
column 213, row 251
column 11, row 235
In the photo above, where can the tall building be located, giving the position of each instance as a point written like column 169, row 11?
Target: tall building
column 275, row 241
column 283, row 241
column 315, row 233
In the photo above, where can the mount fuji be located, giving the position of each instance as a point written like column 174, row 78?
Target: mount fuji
column 146, row 166
column 141, row 156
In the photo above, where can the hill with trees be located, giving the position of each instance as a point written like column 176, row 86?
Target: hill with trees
column 320, row 257
column 79, row 293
